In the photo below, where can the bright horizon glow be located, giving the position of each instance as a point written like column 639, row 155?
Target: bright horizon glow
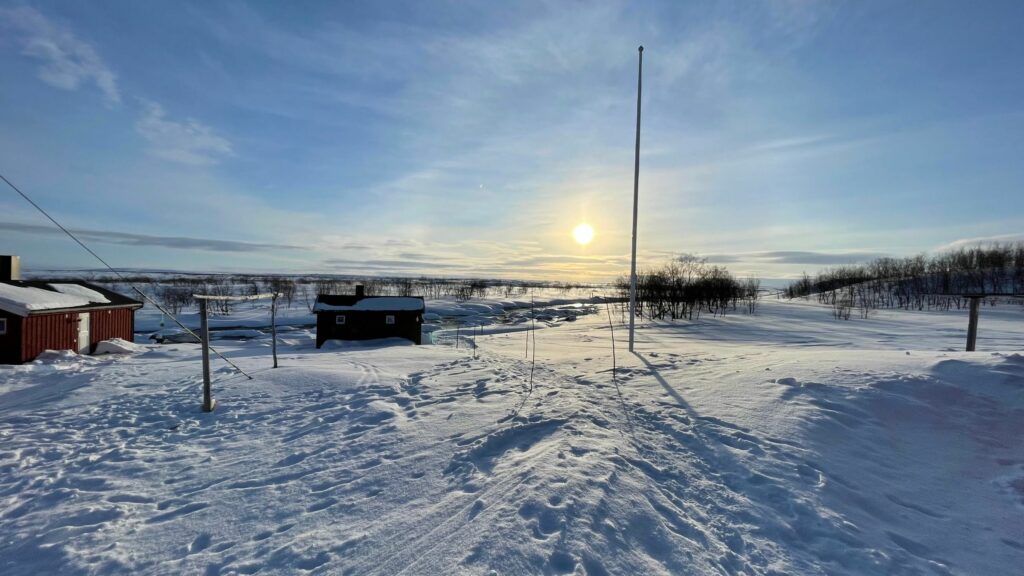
column 583, row 233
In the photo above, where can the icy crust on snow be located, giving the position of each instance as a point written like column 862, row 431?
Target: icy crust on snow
column 781, row 443
column 382, row 303
column 80, row 291
column 21, row 300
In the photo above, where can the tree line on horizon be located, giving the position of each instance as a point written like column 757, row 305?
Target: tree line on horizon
column 941, row 281
column 175, row 292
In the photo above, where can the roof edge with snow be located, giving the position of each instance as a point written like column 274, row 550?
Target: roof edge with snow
column 327, row 303
column 27, row 298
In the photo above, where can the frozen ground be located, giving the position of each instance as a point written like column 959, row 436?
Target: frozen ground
column 781, row 443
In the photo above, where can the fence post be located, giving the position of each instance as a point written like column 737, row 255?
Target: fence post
column 273, row 327
column 204, row 334
column 972, row 324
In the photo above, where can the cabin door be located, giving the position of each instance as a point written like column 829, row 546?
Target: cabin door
column 83, row 333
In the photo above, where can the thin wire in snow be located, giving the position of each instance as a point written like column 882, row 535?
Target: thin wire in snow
column 533, row 329
column 615, row 379
column 533, row 362
column 116, row 273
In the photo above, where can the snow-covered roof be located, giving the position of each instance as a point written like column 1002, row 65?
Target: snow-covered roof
column 88, row 294
column 380, row 303
column 21, row 300
column 24, row 298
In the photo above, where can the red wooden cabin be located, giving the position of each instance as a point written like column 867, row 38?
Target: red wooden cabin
column 40, row 315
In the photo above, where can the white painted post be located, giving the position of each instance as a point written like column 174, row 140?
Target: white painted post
column 636, row 195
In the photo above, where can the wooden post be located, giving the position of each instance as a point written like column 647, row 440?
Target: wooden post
column 972, row 324
column 204, row 334
column 273, row 328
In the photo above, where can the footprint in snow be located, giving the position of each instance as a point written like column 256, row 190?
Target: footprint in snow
column 201, row 542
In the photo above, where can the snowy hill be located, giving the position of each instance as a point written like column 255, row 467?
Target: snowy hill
column 780, row 443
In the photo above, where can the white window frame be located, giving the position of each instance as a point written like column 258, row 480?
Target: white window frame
column 339, row 319
column 389, row 319
column 3, row 326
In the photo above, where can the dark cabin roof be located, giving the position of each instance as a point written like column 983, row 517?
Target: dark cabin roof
column 346, row 302
column 32, row 297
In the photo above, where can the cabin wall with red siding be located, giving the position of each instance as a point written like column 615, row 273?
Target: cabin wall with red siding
column 48, row 332
column 106, row 324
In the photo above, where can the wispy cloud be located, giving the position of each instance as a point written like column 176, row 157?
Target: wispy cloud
column 567, row 259
column 66, row 61
column 385, row 265
column 794, row 257
column 188, row 142
column 965, row 242
column 176, row 242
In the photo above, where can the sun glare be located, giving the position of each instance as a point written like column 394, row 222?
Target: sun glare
column 583, row 234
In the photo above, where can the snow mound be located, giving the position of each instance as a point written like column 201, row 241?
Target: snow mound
column 117, row 346
column 237, row 334
column 375, row 343
column 57, row 357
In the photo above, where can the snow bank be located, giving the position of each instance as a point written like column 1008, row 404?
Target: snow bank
column 236, row 334
column 117, row 346
column 374, row 343
column 56, row 357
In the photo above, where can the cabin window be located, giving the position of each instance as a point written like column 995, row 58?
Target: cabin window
column 339, row 319
column 3, row 326
column 389, row 319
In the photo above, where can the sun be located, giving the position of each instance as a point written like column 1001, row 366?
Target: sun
column 583, row 234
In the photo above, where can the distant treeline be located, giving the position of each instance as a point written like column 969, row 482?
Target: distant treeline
column 918, row 282
column 174, row 292
column 686, row 286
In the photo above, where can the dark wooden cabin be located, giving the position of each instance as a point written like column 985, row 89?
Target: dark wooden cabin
column 361, row 317
column 40, row 315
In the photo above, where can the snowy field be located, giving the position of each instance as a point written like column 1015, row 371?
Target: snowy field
column 781, row 443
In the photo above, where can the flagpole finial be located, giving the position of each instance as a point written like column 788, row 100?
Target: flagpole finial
column 641, row 48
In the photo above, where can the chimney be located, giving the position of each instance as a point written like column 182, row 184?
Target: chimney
column 359, row 291
column 10, row 268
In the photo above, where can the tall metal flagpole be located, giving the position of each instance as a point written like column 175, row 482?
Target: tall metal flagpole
column 636, row 195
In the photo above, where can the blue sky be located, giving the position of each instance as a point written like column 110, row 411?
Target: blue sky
column 469, row 138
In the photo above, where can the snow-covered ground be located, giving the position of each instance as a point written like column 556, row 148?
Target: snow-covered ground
column 782, row 443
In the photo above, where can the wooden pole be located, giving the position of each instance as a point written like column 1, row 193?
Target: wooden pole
column 972, row 324
column 204, row 334
column 273, row 328
column 636, row 196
